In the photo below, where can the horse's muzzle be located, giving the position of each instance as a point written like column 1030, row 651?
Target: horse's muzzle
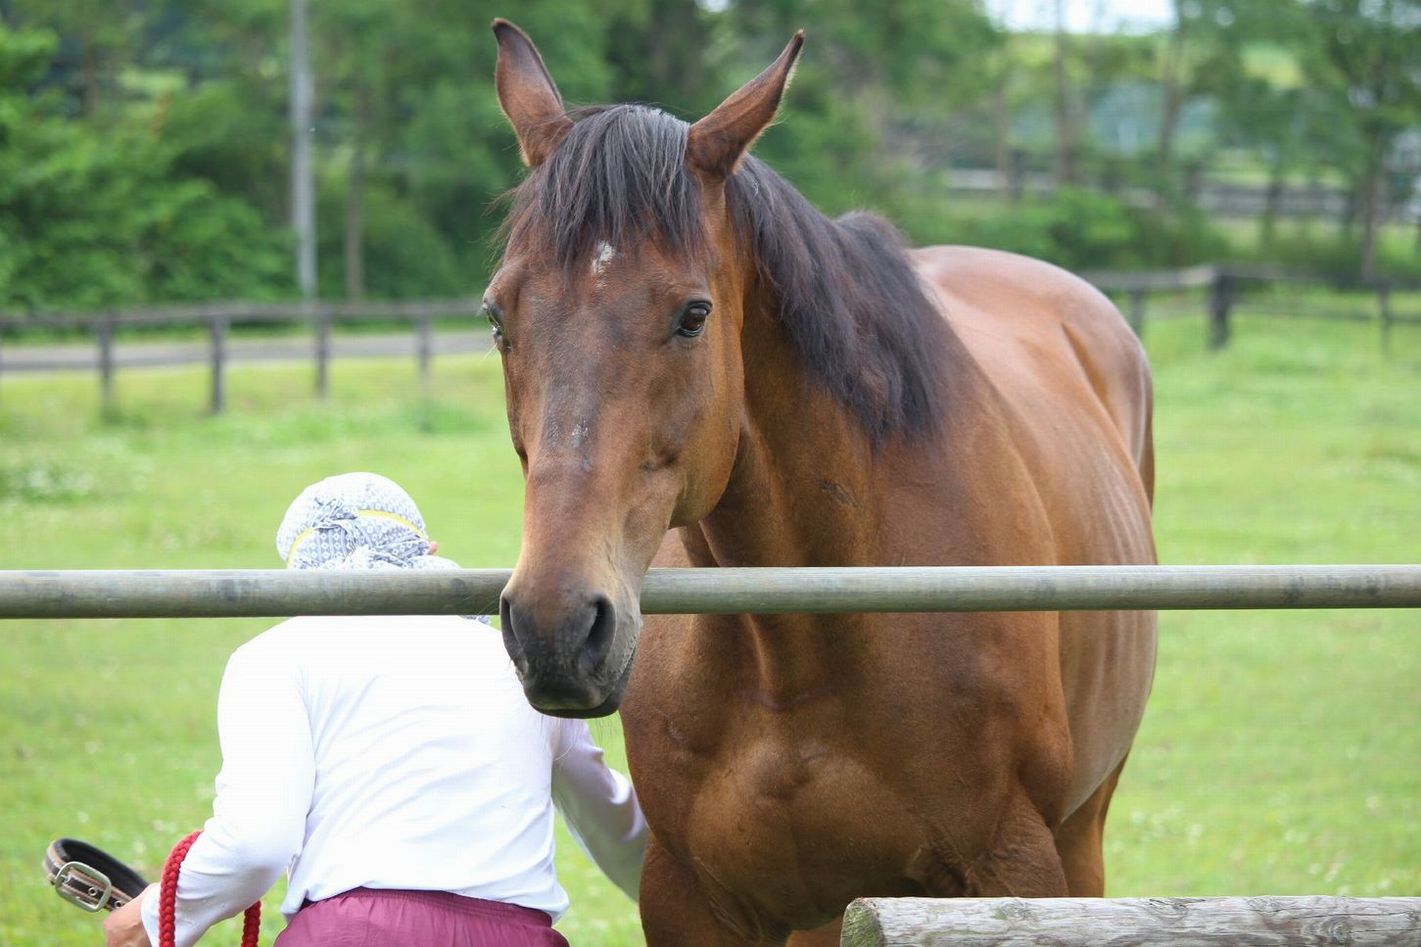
column 574, row 658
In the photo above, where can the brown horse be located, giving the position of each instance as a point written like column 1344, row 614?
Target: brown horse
column 703, row 370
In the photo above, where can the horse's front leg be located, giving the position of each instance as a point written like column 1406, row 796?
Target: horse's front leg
column 677, row 910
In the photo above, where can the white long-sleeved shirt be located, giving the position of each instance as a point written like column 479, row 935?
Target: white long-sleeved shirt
column 394, row 752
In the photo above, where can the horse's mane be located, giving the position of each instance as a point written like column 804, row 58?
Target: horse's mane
column 850, row 302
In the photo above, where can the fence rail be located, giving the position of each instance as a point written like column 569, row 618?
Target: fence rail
column 238, row 311
column 219, row 317
column 1227, row 291
column 268, row 593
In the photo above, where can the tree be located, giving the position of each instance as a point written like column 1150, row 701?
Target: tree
column 1366, row 56
column 356, row 40
column 91, row 218
column 95, row 37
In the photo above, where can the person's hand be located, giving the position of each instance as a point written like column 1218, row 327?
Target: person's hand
column 124, row 927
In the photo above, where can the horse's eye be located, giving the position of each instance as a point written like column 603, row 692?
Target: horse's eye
column 495, row 321
column 693, row 319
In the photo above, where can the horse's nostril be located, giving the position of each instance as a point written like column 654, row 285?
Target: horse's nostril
column 511, row 643
column 599, row 636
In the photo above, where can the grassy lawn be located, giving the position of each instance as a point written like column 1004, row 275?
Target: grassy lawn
column 1281, row 752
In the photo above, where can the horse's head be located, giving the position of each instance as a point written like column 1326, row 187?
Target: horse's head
column 617, row 309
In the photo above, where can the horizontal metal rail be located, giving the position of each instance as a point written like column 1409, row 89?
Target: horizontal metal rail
column 270, row 593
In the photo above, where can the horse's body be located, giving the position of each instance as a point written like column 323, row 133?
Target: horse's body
column 847, row 405
column 791, row 763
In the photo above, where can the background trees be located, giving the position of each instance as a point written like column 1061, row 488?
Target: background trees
column 144, row 148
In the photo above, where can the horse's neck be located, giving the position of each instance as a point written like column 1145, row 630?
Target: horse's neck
column 800, row 495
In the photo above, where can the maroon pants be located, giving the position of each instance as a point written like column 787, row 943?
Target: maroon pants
column 369, row 917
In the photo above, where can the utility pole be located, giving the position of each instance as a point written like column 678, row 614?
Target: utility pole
column 303, row 198
column 1065, row 121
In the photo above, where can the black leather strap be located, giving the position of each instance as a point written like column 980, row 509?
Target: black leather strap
column 90, row 877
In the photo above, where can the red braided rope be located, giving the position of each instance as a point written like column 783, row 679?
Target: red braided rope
column 168, row 901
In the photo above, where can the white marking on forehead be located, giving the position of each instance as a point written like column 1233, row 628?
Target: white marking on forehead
column 604, row 255
column 580, row 431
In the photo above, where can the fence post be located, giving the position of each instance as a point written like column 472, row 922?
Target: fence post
column 1193, row 182
column 1221, row 293
column 423, row 349
column 1384, row 314
column 218, row 327
column 323, row 349
column 1137, row 312
column 1016, row 175
column 104, row 328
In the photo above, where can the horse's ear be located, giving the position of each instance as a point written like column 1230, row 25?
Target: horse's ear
column 717, row 142
column 528, row 95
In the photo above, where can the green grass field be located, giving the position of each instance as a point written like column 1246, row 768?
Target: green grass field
column 1281, row 752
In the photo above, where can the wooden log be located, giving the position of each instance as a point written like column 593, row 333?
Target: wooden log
column 1165, row 922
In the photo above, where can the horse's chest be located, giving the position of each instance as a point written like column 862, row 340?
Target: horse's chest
column 798, row 825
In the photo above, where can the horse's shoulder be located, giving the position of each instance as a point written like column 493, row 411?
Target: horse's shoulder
column 1034, row 328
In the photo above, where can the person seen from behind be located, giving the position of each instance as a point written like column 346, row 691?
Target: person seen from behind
column 391, row 766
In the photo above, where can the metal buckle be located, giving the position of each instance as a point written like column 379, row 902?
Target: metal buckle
column 101, row 897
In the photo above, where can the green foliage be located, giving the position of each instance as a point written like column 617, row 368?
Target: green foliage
column 145, row 151
column 90, row 222
column 405, row 256
column 232, row 132
column 1081, row 229
column 90, row 219
column 1180, row 235
column 1328, row 252
column 24, row 56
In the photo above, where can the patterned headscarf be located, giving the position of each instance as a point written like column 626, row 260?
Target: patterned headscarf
column 355, row 521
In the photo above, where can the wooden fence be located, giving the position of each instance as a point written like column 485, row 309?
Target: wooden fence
column 1217, row 293
column 1228, row 291
column 218, row 318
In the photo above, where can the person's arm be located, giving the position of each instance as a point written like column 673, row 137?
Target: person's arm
column 263, row 794
column 600, row 807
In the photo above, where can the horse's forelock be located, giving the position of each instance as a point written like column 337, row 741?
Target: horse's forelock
column 620, row 178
